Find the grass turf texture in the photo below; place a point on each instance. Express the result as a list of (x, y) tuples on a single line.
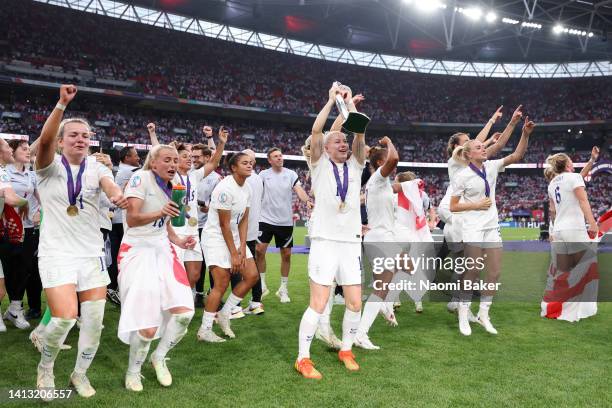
[(423, 362)]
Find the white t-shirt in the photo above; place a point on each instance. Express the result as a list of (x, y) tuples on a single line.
[(568, 216), (228, 195), (144, 186), (205, 189), (327, 220), (256, 185), (454, 167), (24, 185), (194, 177), (61, 234), (277, 208), (471, 188), (124, 173), (379, 203)]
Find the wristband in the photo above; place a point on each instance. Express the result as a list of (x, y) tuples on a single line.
[(60, 106)]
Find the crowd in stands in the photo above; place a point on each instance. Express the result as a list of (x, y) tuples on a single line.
[(166, 62)]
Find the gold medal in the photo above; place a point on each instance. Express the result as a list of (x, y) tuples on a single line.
[(342, 206), (187, 208), (72, 210), (192, 222)]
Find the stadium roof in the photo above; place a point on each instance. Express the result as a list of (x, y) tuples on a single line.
[(513, 38), (456, 32)]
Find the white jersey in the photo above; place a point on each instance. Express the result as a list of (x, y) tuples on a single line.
[(143, 185), (105, 206), (194, 178), (277, 208), (229, 196), (471, 188), (454, 167), (256, 185), (379, 204), (568, 216), (61, 234), (205, 189), (328, 220), (124, 173)]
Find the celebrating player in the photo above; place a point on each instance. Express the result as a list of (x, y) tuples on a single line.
[(224, 243), (71, 250), (335, 229), (156, 299), (474, 196), (570, 239)]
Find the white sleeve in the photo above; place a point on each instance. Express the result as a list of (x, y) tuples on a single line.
[(104, 171), (221, 199), (498, 165), (352, 161), (576, 181), (136, 187), (458, 184), (52, 170), (295, 180)]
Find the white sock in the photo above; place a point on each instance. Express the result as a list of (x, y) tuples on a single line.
[(254, 304), (92, 315), (54, 336), (485, 304), (284, 281), (308, 327), (232, 300), (370, 311), (139, 348), (193, 292), (208, 319), (14, 306), (175, 331), (350, 323), (262, 276)]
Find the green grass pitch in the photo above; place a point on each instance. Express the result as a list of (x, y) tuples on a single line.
[(424, 362)]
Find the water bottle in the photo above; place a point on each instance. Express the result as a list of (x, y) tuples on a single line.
[(179, 196)]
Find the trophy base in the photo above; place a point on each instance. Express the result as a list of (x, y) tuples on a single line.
[(356, 122)]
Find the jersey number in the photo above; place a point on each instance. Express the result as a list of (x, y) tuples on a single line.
[(159, 223), (557, 195)]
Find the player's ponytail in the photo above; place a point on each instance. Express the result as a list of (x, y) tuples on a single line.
[(557, 163), (453, 142)]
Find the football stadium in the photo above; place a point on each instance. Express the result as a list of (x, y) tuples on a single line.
[(321, 203)]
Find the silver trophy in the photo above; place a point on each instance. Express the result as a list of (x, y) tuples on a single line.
[(354, 122)]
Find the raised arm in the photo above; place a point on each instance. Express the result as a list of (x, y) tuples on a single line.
[(392, 157), (316, 144), (505, 136), (359, 146), (48, 136), (594, 156), (152, 134), (208, 134), (521, 148), (214, 161), (482, 135)]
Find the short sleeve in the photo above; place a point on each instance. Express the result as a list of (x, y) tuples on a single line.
[(52, 170), (377, 178), (498, 165), (221, 199), (576, 181), (198, 175), (458, 184), (295, 180), (352, 161), (103, 171), (136, 187), (5, 180), (249, 194)]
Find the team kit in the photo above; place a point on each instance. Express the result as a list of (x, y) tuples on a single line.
[(176, 215)]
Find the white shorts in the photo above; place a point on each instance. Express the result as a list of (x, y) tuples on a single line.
[(85, 273), (571, 241), (219, 255), (486, 238), (190, 255), (453, 233), (329, 260)]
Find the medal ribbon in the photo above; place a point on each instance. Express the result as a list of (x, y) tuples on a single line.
[(341, 187), (73, 192), (483, 175), (165, 186)]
